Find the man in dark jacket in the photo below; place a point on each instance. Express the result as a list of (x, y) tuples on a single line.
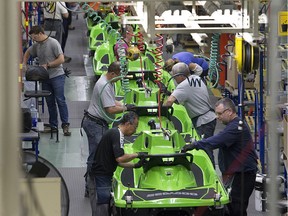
[(239, 156)]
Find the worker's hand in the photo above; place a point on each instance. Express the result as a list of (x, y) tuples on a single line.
[(188, 147), (167, 92), (142, 154), (163, 89), (130, 107), (140, 163)]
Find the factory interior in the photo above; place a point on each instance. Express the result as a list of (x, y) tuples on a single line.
[(245, 43)]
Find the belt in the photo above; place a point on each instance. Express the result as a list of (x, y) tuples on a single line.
[(96, 119), (99, 121), (54, 20)]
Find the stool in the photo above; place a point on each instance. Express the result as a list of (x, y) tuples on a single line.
[(36, 93), (52, 131)]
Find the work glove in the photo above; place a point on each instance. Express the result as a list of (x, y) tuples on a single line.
[(140, 163), (131, 107), (188, 147), (142, 154), (163, 89), (67, 72)]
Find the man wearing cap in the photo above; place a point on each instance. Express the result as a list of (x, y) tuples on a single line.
[(192, 93)]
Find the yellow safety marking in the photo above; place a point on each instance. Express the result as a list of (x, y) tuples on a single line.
[(283, 23), (250, 94), (251, 122)]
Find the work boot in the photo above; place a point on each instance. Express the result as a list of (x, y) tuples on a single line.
[(65, 128)]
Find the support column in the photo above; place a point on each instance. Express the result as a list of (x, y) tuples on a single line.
[(9, 109)]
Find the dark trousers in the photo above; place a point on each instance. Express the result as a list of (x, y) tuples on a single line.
[(65, 33), (66, 23), (100, 194), (207, 130), (241, 189)]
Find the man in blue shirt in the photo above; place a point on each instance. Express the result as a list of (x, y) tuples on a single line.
[(187, 58), (239, 156)]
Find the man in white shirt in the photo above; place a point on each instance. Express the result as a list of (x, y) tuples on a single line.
[(54, 12)]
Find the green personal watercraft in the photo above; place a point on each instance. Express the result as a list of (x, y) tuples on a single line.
[(170, 182)]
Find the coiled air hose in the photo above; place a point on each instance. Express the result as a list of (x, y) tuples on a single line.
[(158, 68), (213, 65)]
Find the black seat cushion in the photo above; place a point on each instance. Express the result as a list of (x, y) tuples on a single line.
[(36, 73)]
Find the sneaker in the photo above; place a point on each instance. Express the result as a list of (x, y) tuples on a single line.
[(67, 59), (66, 131)]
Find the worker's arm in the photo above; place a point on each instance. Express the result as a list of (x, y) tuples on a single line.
[(26, 56), (65, 15), (118, 103), (118, 108), (55, 63), (126, 158), (126, 165), (63, 10), (169, 102)]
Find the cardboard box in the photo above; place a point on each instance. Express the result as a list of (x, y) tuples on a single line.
[(48, 194), (232, 75)]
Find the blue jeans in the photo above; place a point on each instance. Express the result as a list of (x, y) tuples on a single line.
[(94, 133), (56, 87), (100, 194)]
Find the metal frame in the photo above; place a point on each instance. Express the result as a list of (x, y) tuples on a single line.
[(224, 21)]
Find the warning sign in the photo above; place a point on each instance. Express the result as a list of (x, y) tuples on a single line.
[(283, 23)]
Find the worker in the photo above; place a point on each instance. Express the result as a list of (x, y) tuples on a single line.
[(239, 156), (193, 94), (108, 156), (53, 13), (187, 58), (101, 111), (124, 43), (50, 56), (195, 69)]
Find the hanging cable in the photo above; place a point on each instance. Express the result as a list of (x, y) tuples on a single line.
[(142, 49), (158, 68), (213, 66), (140, 41)]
